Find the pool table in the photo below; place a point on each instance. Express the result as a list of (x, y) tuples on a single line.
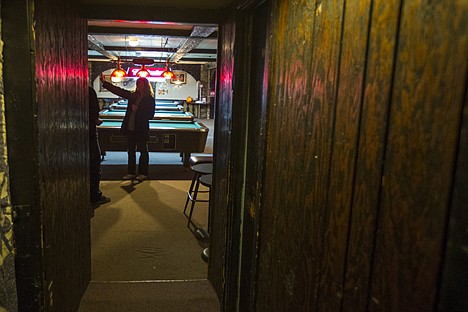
[(165, 136), (168, 107), (159, 115)]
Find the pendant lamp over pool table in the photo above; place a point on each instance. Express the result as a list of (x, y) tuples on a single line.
[(168, 74), (118, 72), (143, 73)]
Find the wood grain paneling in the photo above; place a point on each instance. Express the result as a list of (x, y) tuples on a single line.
[(352, 61), (419, 160), (46, 84), (455, 274), (62, 120), (371, 147), (286, 226), (363, 122)]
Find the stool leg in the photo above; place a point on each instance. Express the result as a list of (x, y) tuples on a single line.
[(194, 200), (189, 193), (209, 208)]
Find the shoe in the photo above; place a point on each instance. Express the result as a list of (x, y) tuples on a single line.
[(141, 177), (128, 176), (103, 200), (100, 201), (94, 205)]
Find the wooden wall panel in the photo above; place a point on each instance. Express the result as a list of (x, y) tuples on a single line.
[(360, 150), (455, 273), (46, 109), (371, 146), (327, 36), (222, 160), (344, 153), (419, 160), (62, 123), (297, 86)]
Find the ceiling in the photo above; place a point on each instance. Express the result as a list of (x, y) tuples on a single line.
[(199, 4), (173, 42), (165, 36)]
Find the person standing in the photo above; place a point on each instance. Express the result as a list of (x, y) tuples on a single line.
[(135, 125), (96, 197)]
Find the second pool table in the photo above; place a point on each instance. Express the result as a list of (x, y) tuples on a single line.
[(168, 107), (159, 115)]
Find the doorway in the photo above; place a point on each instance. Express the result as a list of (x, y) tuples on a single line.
[(142, 233)]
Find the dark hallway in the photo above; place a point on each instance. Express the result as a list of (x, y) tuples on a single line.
[(340, 153)]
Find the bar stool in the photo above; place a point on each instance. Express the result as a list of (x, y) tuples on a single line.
[(199, 170), (195, 160), (204, 180)]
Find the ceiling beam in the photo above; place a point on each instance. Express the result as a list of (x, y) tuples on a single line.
[(138, 31), (164, 50), (151, 13), (198, 34), (186, 60), (96, 45), (164, 32)]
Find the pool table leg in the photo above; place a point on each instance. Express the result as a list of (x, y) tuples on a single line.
[(185, 159)]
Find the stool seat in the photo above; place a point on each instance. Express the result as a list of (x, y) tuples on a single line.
[(202, 168), (201, 159), (205, 180)]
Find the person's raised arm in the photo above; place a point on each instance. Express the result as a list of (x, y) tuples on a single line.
[(114, 89)]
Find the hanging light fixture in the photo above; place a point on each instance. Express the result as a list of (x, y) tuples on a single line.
[(118, 73), (133, 41), (168, 73), (143, 73)]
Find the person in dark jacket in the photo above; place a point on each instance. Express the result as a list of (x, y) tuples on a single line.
[(135, 125), (95, 193)]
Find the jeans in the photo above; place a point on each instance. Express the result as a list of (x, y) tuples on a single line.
[(137, 142)]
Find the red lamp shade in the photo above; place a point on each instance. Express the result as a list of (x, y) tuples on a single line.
[(168, 74), (143, 73), (118, 72)]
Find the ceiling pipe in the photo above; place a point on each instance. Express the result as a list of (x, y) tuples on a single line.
[(95, 45), (197, 36)]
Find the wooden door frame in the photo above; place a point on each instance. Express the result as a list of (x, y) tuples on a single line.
[(248, 135)]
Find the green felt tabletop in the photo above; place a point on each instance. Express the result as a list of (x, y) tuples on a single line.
[(115, 110), (157, 124), (160, 113)]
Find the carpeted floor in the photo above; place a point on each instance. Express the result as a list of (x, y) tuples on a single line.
[(144, 257), (142, 233), (179, 296)]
